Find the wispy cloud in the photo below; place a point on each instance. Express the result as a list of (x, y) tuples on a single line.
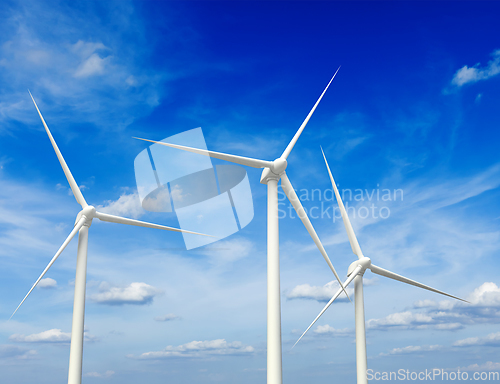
[(473, 74), (493, 339), (135, 293), (228, 251), (15, 352), (424, 228), (446, 315), (92, 63), (323, 293), (50, 336), (328, 330), (168, 317), (412, 349), (488, 366), (67, 70), (403, 319), (98, 375), (199, 349), (352, 127)]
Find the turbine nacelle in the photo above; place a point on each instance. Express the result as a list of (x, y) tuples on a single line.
[(364, 262), (88, 213)]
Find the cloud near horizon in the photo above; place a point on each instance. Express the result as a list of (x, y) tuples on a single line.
[(198, 349), (493, 339), (447, 315), (168, 317), (412, 349), (100, 375), (50, 336), (15, 352)]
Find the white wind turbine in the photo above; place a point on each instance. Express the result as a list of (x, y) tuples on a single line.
[(355, 272), (82, 224), (272, 173)]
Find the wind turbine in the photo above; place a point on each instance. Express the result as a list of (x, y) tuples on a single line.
[(272, 173), (355, 272), (82, 224)]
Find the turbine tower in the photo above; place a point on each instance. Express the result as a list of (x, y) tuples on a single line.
[(355, 272), (272, 173), (82, 224)]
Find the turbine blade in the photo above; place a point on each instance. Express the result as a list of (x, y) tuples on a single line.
[(395, 276), (299, 132), (345, 218), (346, 283), (248, 161), (297, 205), (72, 183), (122, 220), (77, 227)]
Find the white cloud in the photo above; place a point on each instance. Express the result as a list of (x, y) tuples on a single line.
[(483, 306), (447, 315), (412, 349), (228, 251), (100, 375), (322, 294), (488, 366), (168, 317), (493, 339), (50, 336), (177, 193), (86, 49), (488, 294), (127, 205), (200, 349), (15, 352), (448, 326), (402, 320), (326, 329), (473, 74), (47, 283), (94, 65), (135, 293), (89, 80)]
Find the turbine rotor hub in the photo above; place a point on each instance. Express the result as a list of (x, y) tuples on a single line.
[(364, 262), (279, 166), (274, 172), (89, 213)]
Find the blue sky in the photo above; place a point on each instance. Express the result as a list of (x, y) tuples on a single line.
[(414, 107)]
